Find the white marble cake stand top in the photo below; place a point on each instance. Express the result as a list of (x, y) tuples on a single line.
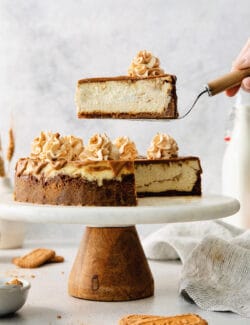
[(149, 211)]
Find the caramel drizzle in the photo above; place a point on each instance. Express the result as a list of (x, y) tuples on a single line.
[(115, 165), (118, 165), (21, 166), (38, 166), (59, 164)]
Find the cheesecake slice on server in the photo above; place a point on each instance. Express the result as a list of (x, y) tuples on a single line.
[(147, 93)]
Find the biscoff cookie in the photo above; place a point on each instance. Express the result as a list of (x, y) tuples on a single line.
[(35, 258), (56, 259), (131, 319), (188, 319), (15, 260)]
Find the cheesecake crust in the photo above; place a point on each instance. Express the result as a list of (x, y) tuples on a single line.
[(66, 190)]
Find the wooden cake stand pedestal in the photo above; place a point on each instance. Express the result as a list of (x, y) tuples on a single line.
[(110, 264)]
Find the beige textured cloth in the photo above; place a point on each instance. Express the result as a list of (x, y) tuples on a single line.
[(216, 262)]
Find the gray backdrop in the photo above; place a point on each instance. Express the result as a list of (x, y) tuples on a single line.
[(46, 46)]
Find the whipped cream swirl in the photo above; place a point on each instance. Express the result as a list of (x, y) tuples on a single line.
[(127, 148), (100, 148), (51, 146), (145, 64), (163, 146)]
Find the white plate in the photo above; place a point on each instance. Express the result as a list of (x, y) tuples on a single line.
[(149, 211)]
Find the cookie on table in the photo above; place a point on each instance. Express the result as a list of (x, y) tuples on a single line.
[(188, 319), (35, 258)]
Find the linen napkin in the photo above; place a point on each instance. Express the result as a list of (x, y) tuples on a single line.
[(216, 262)]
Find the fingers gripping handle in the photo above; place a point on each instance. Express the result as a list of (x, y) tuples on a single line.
[(227, 81)]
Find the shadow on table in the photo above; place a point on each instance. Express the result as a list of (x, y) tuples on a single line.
[(6, 259), (32, 315)]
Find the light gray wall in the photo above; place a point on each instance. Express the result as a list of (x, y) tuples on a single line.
[(46, 46)]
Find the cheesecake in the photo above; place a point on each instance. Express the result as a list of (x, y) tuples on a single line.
[(147, 92), (164, 173), (99, 183), (61, 171), (168, 177)]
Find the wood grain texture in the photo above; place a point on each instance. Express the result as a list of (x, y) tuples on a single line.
[(111, 266), (227, 81)]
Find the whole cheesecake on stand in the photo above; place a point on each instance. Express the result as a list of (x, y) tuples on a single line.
[(61, 171)]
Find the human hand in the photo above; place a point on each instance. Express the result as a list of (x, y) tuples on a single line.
[(242, 62)]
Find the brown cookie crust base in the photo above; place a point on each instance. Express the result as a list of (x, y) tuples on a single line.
[(65, 190)]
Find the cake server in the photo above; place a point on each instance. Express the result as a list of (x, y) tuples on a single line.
[(214, 87)]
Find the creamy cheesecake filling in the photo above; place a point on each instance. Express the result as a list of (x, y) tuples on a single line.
[(171, 176), (149, 95), (97, 171)]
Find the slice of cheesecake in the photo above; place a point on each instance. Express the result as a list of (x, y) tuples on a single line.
[(151, 97), (174, 176)]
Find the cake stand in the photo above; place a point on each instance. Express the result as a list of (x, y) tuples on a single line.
[(110, 264)]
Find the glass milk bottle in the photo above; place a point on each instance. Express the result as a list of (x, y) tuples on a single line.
[(236, 162)]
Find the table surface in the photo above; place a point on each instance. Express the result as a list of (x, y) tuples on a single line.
[(49, 303)]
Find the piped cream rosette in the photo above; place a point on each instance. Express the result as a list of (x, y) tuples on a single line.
[(100, 147), (51, 146), (162, 146), (145, 64)]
